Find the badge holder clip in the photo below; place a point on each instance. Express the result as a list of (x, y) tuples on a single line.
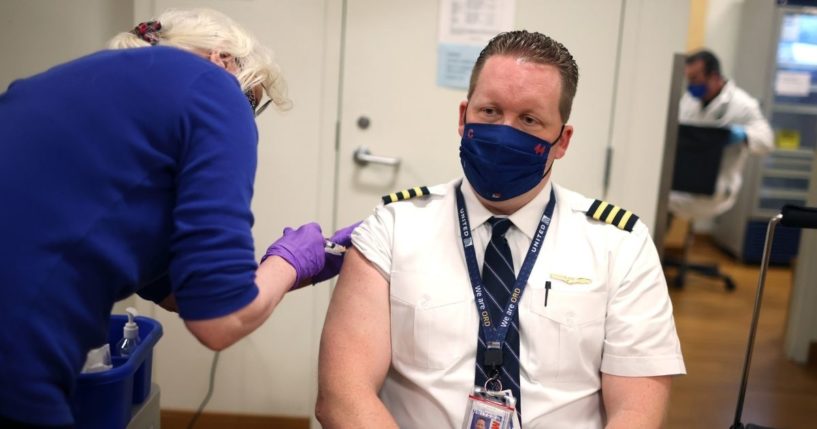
[(491, 409)]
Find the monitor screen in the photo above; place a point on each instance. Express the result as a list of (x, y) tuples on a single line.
[(798, 41)]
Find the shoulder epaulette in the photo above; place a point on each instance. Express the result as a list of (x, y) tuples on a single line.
[(417, 191), (614, 215)]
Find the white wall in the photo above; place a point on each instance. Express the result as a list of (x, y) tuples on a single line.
[(723, 31), (653, 31), (38, 34), (801, 327)]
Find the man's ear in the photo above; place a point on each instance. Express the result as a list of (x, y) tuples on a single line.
[(560, 148), (463, 108)]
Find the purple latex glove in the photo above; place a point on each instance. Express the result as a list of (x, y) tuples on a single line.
[(303, 249), (333, 263)]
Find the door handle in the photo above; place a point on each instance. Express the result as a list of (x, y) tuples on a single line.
[(363, 157)]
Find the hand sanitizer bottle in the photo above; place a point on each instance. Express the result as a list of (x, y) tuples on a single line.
[(130, 335)]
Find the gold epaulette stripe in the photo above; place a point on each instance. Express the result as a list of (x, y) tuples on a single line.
[(613, 215), (417, 191)]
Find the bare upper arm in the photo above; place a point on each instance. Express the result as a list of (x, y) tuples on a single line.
[(635, 402), (355, 347)]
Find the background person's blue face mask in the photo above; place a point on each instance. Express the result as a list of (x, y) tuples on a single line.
[(502, 162), (697, 91)]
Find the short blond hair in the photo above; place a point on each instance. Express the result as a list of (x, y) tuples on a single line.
[(537, 48), (208, 30)]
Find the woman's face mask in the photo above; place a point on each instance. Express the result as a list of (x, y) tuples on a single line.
[(502, 162)]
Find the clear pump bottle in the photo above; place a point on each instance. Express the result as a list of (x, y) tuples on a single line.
[(130, 335)]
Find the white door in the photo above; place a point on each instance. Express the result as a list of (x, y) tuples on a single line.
[(389, 82)]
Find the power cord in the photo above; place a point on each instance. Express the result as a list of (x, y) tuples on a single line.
[(209, 391)]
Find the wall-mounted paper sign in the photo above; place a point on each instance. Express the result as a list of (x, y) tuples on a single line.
[(454, 64), (792, 84), (465, 27)]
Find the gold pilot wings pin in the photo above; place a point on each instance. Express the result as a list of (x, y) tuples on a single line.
[(570, 280), (417, 191), (613, 215)]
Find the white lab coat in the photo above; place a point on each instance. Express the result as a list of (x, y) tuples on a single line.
[(608, 309), (732, 106)]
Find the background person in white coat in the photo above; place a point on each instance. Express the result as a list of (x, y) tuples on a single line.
[(712, 100)]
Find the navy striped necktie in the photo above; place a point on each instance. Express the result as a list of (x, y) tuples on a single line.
[(498, 278)]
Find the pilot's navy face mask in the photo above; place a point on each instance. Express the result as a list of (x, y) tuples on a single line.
[(501, 162)]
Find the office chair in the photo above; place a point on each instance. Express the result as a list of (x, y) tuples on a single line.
[(697, 165), (684, 266)]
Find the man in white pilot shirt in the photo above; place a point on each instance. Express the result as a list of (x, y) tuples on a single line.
[(597, 344)]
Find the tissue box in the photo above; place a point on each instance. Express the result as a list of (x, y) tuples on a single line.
[(104, 400)]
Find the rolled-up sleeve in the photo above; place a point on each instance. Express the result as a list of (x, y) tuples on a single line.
[(374, 239)]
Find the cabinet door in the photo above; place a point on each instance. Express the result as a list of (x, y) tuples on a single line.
[(784, 177)]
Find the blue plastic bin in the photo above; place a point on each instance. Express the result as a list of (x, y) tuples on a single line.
[(104, 400)]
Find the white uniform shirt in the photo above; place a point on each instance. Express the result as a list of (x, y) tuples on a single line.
[(732, 106), (615, 318)]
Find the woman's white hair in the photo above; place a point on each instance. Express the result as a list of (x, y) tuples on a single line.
[(208, 30)]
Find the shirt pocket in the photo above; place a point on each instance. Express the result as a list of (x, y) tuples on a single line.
[(433, 320), (565, 337)]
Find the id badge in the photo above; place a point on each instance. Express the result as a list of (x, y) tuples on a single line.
[(491, 410)]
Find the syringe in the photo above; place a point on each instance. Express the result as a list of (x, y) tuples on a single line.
[(333, 248)]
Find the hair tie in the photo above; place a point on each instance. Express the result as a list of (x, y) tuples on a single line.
[(147, 31)]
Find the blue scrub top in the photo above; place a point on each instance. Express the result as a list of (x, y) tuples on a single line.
[(124, 171)]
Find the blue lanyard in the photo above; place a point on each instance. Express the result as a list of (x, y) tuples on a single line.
[(495, 334)]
